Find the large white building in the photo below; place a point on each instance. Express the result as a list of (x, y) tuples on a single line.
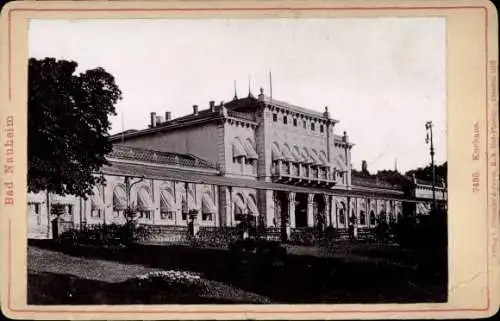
[(282, 165)]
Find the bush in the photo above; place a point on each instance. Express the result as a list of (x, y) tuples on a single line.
[(113, 236)]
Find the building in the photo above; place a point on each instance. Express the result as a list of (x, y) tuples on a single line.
[(281, 165)]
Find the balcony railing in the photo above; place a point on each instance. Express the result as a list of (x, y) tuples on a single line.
[(290, 172), (235, 114)]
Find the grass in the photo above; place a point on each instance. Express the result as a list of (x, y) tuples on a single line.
[(341, 273), (57, 278)]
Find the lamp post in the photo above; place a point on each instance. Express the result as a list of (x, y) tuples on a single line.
[(429, 140)]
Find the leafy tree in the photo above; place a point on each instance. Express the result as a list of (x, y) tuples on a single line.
[(425, 173), (68, 125)]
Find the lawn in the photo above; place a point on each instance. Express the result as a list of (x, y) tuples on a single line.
[(340, 273), (58, 278)]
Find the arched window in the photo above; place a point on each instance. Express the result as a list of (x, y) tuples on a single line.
[(239, 207), (167, 204), (383, 216), (208, 208), (342, 213), (119, 200), (362, 218), (144, 203), (372, 218)]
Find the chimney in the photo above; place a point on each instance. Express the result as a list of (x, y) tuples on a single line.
[(326, 114), (364, 166), (212, 105), (153, 120), (261, 95), (168, 116), (195, 109), (158, 120)]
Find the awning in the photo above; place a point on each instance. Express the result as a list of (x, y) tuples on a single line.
[(315, 157), (239, 206), (339, 164), (322, 158), (96, 200), (58, 199), (119, 199), (36, 197), (252, 207), (167, 202), (306, 157), (250, 151), (207, 204), (238, 149), (276, 153), (296, 154), (144, 202), (288, 155)]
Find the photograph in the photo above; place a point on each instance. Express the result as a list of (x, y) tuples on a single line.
[(229, 160)]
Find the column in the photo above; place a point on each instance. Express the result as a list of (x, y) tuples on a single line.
[(327, 210), (179, 192), (333, 212), (265, 204), (291, 209), (310, 214)]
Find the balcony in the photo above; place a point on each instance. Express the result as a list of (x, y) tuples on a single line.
[(238, 115), (300, 174)]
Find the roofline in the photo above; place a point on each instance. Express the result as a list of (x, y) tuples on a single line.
[(167, 127)]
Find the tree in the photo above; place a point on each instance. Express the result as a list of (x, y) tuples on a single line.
[(68, 125), (425, 173)]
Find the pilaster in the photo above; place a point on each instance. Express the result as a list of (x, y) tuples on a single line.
[(291, 209), (310, 210)]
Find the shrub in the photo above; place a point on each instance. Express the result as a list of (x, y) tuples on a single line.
[(113, 236)]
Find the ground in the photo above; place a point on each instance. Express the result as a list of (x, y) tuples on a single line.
[(344, 272)]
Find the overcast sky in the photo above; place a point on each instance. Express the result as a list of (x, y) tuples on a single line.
[(382, 78)]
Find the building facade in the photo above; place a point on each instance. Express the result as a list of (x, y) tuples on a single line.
[(281, 165)]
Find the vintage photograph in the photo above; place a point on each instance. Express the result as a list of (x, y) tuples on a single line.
[(237, 161)]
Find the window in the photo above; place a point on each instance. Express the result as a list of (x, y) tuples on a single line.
[(295, 122), (304, 124), (275, 117), (206, 216), (70, 210), (96, 213), (145, 214), (117, 213), (285, 120), (34, 208), (341, 217), (321, 128), (372, 218), (312, 126), (362, 218), (164, 215)]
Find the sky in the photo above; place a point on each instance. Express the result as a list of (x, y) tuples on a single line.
[(382, 78)]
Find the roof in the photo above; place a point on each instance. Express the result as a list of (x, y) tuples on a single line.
[(203, 116), (130, 153)]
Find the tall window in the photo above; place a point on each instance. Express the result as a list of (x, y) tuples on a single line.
[(285, 120), (275, 117), (321, 128), (312, 126), (304, 124), (295, 122), (341, 216), (372, 218), (362, 218)]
